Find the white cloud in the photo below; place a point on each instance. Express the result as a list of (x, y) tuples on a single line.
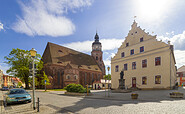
[(47, 17), (85, 46), (180, 57), (177, 40), (1, 26)]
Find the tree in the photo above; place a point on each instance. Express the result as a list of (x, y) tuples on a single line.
[(19, 61), (107, 77)]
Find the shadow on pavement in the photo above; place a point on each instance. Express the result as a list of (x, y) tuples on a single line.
[(119, 99)]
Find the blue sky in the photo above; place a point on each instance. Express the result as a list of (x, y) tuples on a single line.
[(27, 24)]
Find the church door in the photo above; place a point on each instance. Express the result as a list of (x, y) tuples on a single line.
[(134, 82)]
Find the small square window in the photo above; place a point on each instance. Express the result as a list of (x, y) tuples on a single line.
[(131, 33), (142, 49), (157, 61), (136, 32), (141, 39), (133, 65), (132, 52), (127, 44), (122, 54)]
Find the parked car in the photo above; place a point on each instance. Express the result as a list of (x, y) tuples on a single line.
[(17, 95), (5, 89)]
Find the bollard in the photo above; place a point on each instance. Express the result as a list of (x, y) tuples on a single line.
[(38, 105)]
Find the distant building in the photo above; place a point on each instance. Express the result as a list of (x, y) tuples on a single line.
[(147, 63), (181, 75), (7, 81), (102, 84), (1, 78), (64, 66)]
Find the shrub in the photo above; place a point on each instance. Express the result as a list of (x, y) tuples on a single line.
[(75, 88)]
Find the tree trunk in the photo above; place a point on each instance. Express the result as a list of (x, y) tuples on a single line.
[(26, 82)]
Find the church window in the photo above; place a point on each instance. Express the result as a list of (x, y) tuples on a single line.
[(157, 61), (141, 39), (142, 49), (133, 65), (76, 77), (122, 54), (132, 52), (158, 79), (116, 68), (68, 77), (144, 80)]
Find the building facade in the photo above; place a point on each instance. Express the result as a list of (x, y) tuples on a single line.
[(147, 63), (181, 75), (1, 78), (7, 81), (64, 66)]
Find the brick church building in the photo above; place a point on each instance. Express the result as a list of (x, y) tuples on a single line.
[(64, 66)]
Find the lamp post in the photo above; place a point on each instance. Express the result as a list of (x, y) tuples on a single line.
[(108, 68), (33, 54)]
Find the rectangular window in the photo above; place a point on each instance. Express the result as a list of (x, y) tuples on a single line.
[(144, 80), (157, 61), (157, 79), (141, 39), (127, 44), (132, 52), (125, 66), (133, 65), (116, 68), (144, 63), (142, 49), (122, 54)]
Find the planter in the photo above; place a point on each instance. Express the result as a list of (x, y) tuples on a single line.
[(176, 95), (134, 95)]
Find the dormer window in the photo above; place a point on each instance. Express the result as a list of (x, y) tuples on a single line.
[(127, 44), (60, 51), (141, 39)]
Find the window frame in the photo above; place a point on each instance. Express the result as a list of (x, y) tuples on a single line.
[(157, 61), (126, 68), (133, 65), (141, 39), (142, 49), (123, 54), (117, 68), (132, 50), (144, 64), (143, 80), (158, 76)]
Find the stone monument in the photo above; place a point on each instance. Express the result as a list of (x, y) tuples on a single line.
[(121, 80)]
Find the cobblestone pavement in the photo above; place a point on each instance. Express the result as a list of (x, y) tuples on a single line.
[(155, 102)]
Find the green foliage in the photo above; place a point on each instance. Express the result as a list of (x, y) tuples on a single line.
[(19, 61), (107, 77), (19, 84), (75, 88), (43, 78)]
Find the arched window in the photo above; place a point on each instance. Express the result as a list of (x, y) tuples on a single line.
[(96, 57), (68, 77)]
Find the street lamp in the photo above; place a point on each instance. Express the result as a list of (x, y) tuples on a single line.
[(33, 54), (108, 68)]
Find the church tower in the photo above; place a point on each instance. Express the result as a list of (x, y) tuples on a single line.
[(97, 53)]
